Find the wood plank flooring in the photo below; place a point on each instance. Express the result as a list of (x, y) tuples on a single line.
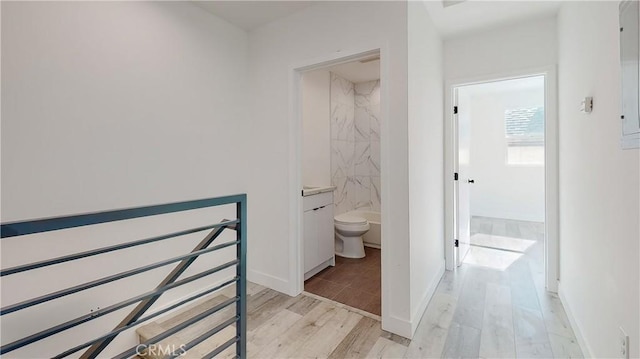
[(494, 306), (354, 282)]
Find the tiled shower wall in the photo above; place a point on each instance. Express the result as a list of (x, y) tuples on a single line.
[(355, 144)]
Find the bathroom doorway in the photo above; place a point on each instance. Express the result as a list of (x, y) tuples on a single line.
[(340, 166)]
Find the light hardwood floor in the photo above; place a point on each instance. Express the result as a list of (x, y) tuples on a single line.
[(493, 306), (280, 326)]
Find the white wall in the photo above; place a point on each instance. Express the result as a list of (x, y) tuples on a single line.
[(426, 201), (316, 129), (599, 192), (319, 33), (501, 190), (110, 105), (528, 44), (99, 116)]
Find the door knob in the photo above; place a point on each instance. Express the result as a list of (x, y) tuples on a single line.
[(471, 181)]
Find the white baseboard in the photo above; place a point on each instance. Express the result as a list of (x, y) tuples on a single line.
[(320, 268), (431, 289), (399, 326), (577, 330), (269, 281)]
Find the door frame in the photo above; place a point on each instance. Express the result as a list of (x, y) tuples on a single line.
[(455, 120), (296, 250), (551, 248)]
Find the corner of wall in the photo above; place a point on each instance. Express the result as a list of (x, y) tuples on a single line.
[(399, 326)]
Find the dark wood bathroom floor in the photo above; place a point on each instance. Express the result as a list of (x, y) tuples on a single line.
[(354, 282)]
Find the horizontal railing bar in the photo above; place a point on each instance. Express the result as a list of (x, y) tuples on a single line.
[(103, 250), (144, 319), (203, 337), (112, 308), (19, 228), (143, 306), (179, 327), (221, 348), (108, 279)]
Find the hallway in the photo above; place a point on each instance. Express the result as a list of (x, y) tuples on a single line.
[(495, 304), (476, 312)]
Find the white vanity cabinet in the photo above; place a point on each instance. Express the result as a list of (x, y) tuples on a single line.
[(318, 241)]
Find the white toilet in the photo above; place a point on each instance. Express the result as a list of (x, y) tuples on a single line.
[(349, 231)]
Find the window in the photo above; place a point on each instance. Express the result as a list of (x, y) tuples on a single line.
[(525, 136)]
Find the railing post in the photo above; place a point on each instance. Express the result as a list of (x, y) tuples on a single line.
[(241, 270)]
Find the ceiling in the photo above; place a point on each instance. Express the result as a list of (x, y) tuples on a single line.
[(249, 15), (505, 86), (451, 17), (456, 17), (357, 71)]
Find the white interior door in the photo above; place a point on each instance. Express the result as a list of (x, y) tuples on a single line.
[(461, 118)]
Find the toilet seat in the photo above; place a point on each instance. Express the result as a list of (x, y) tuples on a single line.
[(349, 219)]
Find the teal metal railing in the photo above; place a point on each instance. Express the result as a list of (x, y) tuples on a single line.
[(94, 347)]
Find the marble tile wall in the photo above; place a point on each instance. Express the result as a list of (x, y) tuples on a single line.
[(355, 144), (367, 144)]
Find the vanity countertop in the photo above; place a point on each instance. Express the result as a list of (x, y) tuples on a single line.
[(311, 190)]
